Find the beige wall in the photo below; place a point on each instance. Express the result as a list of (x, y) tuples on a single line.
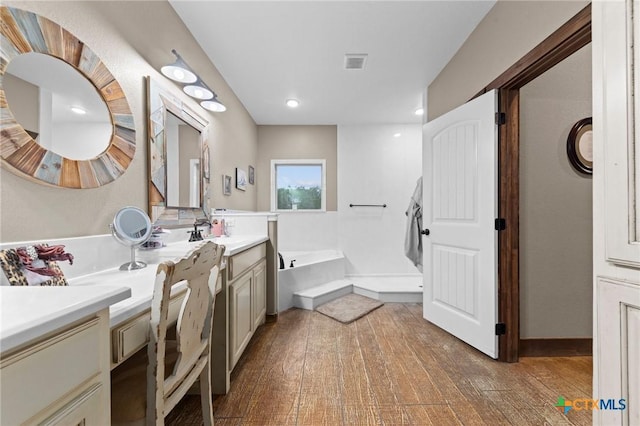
[(133, 39), (508, 32), (296, 142), (555, 205)]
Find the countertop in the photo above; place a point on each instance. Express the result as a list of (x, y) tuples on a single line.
[(236, 244), (141, 281), (29, 312)]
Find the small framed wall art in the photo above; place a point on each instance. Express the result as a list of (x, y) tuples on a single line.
[(252, 175), (226, 185), (580, 146), (241, 179)]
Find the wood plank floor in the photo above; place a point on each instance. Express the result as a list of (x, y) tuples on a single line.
[(389, 368)]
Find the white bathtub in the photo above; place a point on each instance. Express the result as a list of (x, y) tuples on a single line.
[(311, 268)]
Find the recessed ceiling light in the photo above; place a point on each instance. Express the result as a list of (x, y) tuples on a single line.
[(293, 103), (78, 110), (420, 111), (397, 135)]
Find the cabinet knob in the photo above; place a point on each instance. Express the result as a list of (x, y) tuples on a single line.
[(425, 232)]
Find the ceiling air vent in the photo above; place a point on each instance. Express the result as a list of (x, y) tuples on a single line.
[(353, 61)]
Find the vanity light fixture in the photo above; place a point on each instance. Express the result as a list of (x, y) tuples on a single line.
[(213, 105), (198, 90), (179, 71), (293, 103), (419, 111), (78, 110), (193, 85)]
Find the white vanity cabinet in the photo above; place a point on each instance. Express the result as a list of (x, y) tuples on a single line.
[(60, 379), (54, 360), (259, 307), (241, 321), (246, 280)]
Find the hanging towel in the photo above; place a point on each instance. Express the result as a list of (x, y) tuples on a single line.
[(413, 238)]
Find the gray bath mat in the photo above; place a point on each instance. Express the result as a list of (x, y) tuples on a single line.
[(349, 308)]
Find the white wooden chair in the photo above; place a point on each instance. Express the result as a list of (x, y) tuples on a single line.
[(149, 385)]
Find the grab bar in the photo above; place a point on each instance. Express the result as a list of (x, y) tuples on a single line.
[(368, 205)]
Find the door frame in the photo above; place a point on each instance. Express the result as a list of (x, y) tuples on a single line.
[(565, 41)]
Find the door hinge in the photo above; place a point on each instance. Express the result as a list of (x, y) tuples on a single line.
[(501, 118), (501, 328), (500, 224)]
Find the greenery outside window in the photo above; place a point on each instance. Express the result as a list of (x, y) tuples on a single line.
[(298, 185)]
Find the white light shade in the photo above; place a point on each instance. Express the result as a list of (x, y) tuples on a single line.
[(197, 91), (178, 73), (397, 135), (213, 105), (78, 110), (293, 103), (420, 111)]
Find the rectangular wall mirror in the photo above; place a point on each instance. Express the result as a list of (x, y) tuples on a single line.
[(178, 147), (183, 163)]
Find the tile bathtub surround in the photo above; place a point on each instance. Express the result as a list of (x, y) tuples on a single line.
[(308, 231)]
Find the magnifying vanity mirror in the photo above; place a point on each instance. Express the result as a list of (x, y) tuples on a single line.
[(177, 145), (131, 227), (65, 119)]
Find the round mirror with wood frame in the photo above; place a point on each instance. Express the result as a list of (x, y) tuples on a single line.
[(28, 32)]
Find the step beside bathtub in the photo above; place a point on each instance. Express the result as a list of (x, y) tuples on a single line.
[(311, 268)]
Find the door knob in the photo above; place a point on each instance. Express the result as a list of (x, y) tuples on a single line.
[(425, 232)]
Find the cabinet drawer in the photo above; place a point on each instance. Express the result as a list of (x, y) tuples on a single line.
[(241, 262), (88, 408), (43, 373), (130, 337)]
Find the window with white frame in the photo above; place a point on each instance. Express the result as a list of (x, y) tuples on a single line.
[(298, 185)]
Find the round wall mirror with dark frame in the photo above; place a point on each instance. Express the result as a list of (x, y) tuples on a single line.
[(26, 32), (580, 146)]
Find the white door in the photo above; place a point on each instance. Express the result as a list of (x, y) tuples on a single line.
[(616, 211), (459, 212)]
